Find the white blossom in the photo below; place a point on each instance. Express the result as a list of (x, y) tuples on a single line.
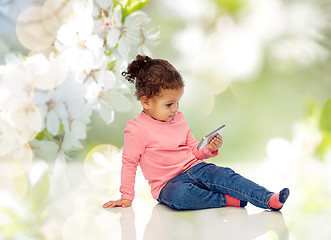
[(9, 139), (150, 37), (15, 79), (81, 49), (108, 95), (46, 100), (46, 149), (126, 34), (46, 73), (66, 106), (103, 20), (104, 4)]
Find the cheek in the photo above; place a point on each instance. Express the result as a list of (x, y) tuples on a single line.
[(164, 111)]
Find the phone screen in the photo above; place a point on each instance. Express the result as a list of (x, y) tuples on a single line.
[(206, 139)]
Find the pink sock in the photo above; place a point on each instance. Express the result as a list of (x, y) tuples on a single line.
[(234, 202), (277, 200)]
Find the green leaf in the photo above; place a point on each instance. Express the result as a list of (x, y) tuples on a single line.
[(325, 122), (61, 127), (111, 65), (16, 223), (315, 203), (313, 109), (325, 127), (231, 5), (39, 192), (325, 144), (131, 6), (108, 52), (43, 134)]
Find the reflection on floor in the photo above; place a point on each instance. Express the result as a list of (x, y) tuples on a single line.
[(223, 223)]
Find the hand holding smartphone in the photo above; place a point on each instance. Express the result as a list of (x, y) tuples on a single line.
[(206, 139)]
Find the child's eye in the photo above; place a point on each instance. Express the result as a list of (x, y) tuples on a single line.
[(169, 104)]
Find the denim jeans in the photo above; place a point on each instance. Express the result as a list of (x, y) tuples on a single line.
[(204, 185)]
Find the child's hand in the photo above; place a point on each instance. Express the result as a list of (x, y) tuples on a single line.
[(119, 203), (215, 143)]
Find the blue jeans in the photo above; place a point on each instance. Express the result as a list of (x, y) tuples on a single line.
[(204, 186)]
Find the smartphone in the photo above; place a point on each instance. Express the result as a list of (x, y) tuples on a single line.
[(206, 139)]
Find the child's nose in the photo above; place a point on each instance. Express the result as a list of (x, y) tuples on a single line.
[(175, 108)]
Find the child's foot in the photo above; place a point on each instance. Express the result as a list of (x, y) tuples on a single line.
[(234, 202), (277, 200)]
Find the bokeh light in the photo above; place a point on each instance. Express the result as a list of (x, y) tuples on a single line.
[(84, 225), (31, 30), (102, 166), (27, 119), (61, 9), (16, 186), (16, 162)]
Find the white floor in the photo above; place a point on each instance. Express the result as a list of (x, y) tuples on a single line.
[(73, 210), (149, 220), (223, 223)]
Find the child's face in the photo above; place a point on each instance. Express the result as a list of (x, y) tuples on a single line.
[(165, 106)]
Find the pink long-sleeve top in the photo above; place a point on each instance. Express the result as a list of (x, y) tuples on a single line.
[(162, 149)]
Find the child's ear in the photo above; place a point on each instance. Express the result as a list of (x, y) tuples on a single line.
[(144, 102)]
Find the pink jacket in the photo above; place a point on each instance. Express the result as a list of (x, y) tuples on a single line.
[(162, 149)]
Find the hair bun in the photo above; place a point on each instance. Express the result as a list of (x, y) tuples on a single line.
[(142, 59), (134, 68)]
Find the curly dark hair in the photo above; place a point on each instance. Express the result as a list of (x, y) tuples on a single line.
[(151, 76)]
